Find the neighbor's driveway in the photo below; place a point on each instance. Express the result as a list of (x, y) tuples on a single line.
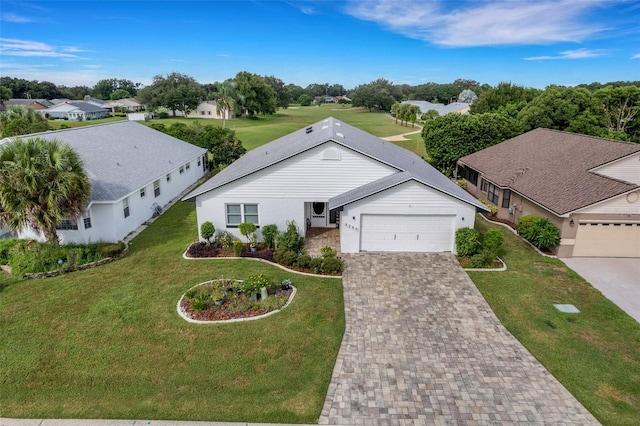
[(617, 278), (422, 346)]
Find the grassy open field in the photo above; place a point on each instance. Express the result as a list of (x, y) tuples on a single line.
[(595, 354), (59, 124), (108, 342)]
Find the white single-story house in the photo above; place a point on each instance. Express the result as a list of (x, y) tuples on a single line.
[(133, 170), (75, 111), (331, 174), (125, 104), (209, 109), (441, 109)]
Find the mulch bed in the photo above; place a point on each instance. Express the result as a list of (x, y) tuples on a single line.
[(226, 311)]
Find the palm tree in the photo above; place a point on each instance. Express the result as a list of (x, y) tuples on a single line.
[(227, 99), (21, 120), (41, 183)]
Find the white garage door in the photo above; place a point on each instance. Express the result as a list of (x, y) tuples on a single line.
[(607, 239), (404, 233)]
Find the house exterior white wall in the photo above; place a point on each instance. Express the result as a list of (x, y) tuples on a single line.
[(282, 189), (628, 204), (107, 218), (626, 169), (409, 198)]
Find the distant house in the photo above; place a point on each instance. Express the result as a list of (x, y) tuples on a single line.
[(126, 104), (209, 109), (133, 170), (37, 104), (324, 99), (382, 197), (441, 109), (75, 111), (588, 187)]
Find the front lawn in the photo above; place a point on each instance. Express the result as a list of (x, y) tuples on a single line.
[(595, 354), (108, 342)]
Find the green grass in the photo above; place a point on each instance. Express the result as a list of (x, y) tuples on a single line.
[(57, 124), (254, 132), (595, 354), (108, 343)]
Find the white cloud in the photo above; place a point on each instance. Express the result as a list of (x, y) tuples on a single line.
[(50, 72), (483, 23), (15, 47), (636, 56), (570, 54), (14, 19), (307, 9)]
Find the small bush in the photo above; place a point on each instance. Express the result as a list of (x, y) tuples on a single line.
[(492, 242), (291, 239), (303, 261), (224, 239), (269, 235), (111, 249), (477, 260), (538, 231), (462, 183), (247, 229), (467, 242), (5, 248), (207, 231), (238, 248), (201, 302), (163, 114), (332, 265), (327, 251), (254, 283), (316, 265), (285, 257)]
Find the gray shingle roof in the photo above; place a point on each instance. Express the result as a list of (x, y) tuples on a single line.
[(552, 167), (122, 157), (350, 137), (87, 107)]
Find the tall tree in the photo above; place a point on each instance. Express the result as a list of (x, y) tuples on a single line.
[(453, 136), (177, 92), (502, 95), (119, 94), (620, 106), (259, 96), (104, 88), (41, 183), (557, 107), (228, 99), (282, 94), (375, 95), (21, 120)]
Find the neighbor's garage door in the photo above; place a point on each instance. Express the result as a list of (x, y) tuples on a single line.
[(607, 239), (404, 233)]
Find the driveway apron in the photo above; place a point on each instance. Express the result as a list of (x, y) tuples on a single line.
[(422, 346)]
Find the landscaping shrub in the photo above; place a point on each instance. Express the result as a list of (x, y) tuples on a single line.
[(201, 302), (5, 247), (303, 261), (269, 235), (201, 250), (224, 239), (163, 114), (538, 231), (467, 242), (492, 242), (247, 229), (255, 282), (285, 257), (111, 249), (238, 248), (207, 231), (291, 239), (316, 265), (462, 183), (327, 251), (332, 265)]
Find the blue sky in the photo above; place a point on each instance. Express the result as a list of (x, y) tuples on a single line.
[(528, 42)]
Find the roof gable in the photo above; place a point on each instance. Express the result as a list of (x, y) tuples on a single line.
[(343, 134), (123, 156), (552, 168)]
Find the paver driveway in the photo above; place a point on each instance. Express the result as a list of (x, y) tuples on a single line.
[(422, 346)]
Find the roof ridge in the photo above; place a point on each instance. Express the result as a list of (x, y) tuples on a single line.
[(583, 135)]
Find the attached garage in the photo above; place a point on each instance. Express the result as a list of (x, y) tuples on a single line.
[(407, 233), (607, 239)]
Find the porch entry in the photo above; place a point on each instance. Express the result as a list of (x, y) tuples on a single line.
[(319, 216)]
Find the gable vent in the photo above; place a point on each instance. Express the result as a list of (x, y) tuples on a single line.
[(308, 130)]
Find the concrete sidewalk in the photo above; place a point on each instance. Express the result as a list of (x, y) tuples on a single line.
[(96, 422)]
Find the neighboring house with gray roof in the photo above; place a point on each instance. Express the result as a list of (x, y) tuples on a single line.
[(133, 169), (75, 111), (331, 174), (37, 104), (441, 109), (588, 187)]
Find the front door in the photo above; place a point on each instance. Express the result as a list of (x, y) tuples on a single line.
[(319, 214)]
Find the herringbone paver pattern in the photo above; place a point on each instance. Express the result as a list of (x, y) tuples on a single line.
[(422, 346)]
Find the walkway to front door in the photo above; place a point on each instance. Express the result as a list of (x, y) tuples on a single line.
[(422, 346)]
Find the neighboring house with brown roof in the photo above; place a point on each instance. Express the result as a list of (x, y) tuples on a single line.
[(37, 104), (589, 187)]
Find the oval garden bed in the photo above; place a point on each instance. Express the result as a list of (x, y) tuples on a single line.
[(230, 299)]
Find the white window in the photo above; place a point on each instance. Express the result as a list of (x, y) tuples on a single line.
[(67, 225), (156, 188), (238, 213), (125, 207), (143, 192), (87, 220)]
